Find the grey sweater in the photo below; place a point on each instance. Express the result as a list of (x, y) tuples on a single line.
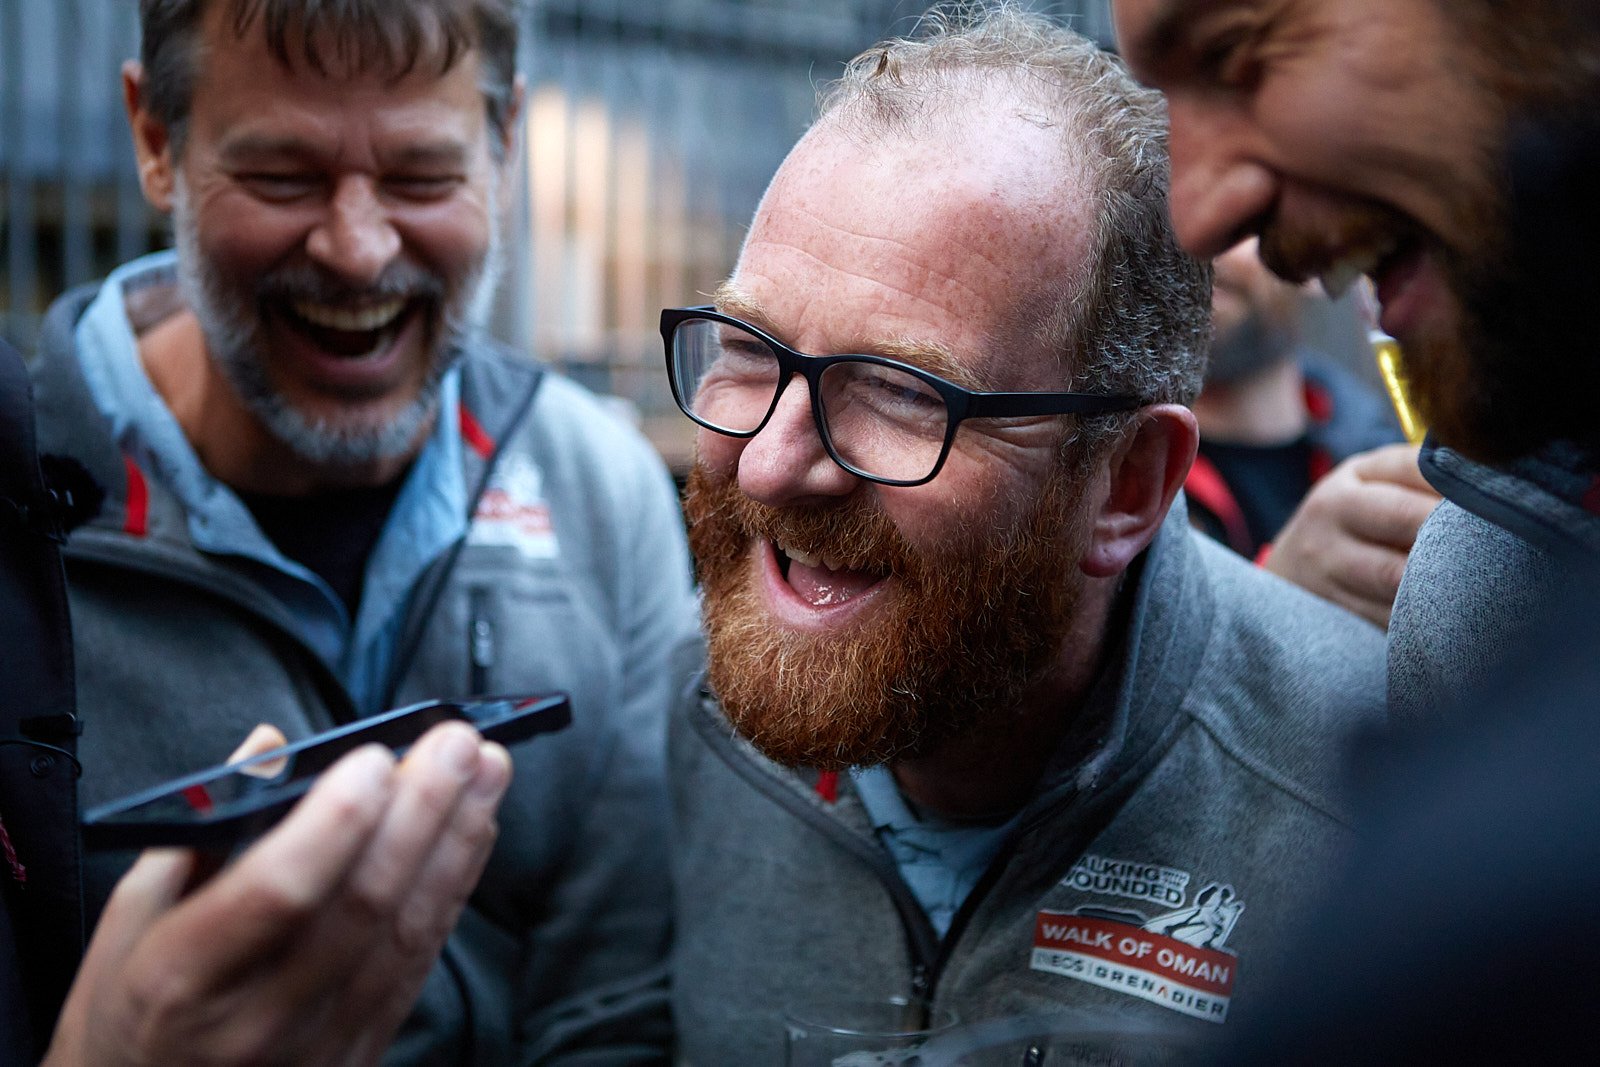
[(1200, 830), (560, 954), (1485, 570)]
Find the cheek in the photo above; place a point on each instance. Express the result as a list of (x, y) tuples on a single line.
[(449, 236), (240, 235), (966, 507), (718, 453)]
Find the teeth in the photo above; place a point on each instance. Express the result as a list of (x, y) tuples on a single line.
[(805, 559), (1338, 278), (832, 564), (349, 320)]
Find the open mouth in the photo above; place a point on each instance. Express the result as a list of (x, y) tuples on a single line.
[(823, 582), (350, 332)]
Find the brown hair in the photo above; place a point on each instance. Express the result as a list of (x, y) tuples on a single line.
[(388, 36)]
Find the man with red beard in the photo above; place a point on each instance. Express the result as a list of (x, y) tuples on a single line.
[(983, 713), (1442, 149), (329, 493)]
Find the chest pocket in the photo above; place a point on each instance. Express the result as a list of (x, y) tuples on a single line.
[(509, 624)]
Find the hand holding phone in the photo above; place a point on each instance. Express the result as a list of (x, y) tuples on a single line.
[(223, 805), (310, 946)]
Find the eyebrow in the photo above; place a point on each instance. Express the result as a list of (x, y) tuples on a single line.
[(932, 356), (1166, 34), (252, 147)]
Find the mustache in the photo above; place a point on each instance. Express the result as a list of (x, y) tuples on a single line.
[(852, 532), (306, 281), (1299, 253)]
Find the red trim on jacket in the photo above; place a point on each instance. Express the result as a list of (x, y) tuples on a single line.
[(828, 786), (137, 519), (473, 434), (1205, 484)]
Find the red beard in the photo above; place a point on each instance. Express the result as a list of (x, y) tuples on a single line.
[(952, 647)]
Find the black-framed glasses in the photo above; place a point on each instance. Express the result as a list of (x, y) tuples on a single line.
[(880, 419)]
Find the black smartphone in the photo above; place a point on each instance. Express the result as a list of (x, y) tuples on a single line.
[(225, 805)]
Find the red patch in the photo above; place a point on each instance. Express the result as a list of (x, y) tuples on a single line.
[(1206, 485), (1319, 405), (1129, 959), (1321, 463), (137, 519), (473, 434), (199, 799), (828, 786)]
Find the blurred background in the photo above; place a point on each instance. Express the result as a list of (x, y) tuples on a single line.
[(651, 131)]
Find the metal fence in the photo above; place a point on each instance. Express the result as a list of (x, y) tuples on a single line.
[(651, 131)]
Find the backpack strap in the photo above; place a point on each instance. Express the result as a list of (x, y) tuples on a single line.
[(38, 714)]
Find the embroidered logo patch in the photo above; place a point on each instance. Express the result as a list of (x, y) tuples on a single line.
[(513, 512), (1175, 958)]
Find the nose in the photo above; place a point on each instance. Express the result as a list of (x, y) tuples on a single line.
[(357, 239), (1221, 192), (786, 463)]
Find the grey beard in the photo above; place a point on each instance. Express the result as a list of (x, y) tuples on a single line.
[(1252, 347), (231, 334)]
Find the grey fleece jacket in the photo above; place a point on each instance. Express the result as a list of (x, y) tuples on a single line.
[(559, 955), (1153, 883), (1486, 567)]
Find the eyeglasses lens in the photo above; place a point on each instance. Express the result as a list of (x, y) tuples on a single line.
[(726, 377), (884, 422)]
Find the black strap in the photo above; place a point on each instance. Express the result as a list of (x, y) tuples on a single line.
[(38, 779), (426, 597)]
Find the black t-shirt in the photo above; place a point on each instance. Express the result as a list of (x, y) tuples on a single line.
[(1268, 483), (330, 533)]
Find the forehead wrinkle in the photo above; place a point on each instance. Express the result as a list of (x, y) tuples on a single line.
[(870, 276)]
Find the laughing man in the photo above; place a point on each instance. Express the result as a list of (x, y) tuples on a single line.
[(985, 723), (331, 494)]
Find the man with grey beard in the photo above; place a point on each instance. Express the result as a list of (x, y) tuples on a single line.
[(986, 725), (329, 494)]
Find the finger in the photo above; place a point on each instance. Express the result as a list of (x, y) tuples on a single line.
[(429, 786), (1393, 463), (264, 738), (358, 922), (453, 867), (150, 888), (422, 864), (388, 987), (1383, 513), (274, 890), (1367, 582)]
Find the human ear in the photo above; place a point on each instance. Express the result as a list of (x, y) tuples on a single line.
[(1141, 475), (152, 140)]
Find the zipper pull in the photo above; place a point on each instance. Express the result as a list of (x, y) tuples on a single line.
[(919, 981), (480, 642)]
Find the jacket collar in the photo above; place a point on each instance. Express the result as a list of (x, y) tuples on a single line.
[(1551, 498)]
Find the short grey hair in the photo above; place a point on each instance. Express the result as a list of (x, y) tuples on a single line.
[(1138, 320)]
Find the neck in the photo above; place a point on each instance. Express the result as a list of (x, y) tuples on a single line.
[(231, 442), (994, 774), (1268, 408)]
